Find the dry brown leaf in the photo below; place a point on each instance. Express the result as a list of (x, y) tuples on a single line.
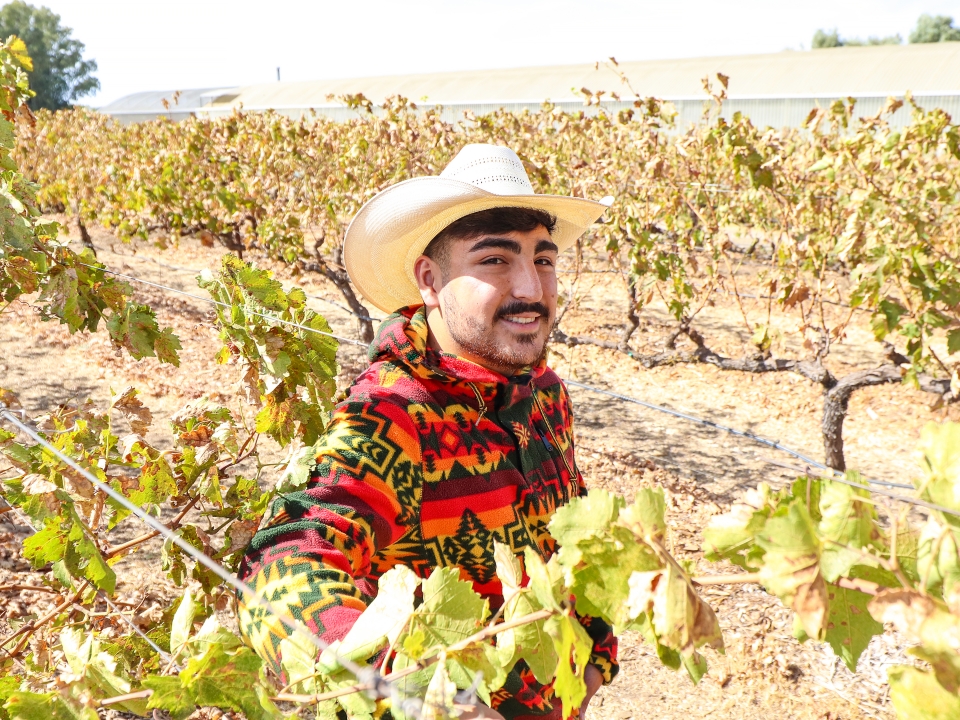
[(138, 415)]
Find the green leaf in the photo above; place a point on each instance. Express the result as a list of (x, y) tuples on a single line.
[(83, 559), (296, 473), (848, 518), (529, 642), (916, 695), (940, 445), (646, 515), (96, 668), (585, 517), (167, 346), (546, 579), (8, 686), (573, 647), (298, 659), (451, 609), (938, 561), (182, 624), (849, 624), (47, 545), (30, 706), (168, 695), (681, 620), (227, 680), (732, 535), (953, 341), (791, 569), (886, 319)]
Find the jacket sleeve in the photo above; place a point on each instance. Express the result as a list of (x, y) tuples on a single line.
[(604, 654), (313, 555)]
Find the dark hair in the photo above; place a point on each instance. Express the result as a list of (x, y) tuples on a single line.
[(488, 222)]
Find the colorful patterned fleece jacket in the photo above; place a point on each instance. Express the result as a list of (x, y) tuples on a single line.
[(428, 461)]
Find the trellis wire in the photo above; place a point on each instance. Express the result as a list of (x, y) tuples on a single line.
[(369, 676), (875, 491), (733, 431), (164, 655)]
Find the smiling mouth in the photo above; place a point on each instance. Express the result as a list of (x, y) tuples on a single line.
[(521, 320)]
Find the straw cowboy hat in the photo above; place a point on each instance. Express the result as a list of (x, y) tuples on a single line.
[(394, 227)]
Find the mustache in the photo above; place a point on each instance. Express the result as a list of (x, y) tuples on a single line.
[(516, 307)]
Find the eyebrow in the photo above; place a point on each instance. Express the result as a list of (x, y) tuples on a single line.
[(512, 245), (499, 243)]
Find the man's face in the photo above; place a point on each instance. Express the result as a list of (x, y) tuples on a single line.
[(494, 301)]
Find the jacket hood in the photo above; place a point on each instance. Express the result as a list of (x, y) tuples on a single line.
[(402, 337)]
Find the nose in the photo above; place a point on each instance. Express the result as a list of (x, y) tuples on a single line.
[(526, 282)]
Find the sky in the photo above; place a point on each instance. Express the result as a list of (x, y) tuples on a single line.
[(180, 44)]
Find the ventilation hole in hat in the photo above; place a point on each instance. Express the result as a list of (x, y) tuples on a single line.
[(500, 178), (484, 161)]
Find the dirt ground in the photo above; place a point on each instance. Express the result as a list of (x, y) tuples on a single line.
[(621, 447)]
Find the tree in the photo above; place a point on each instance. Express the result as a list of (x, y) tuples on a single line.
[(824, 39), (60, 74), (830, 39), (935, 28)]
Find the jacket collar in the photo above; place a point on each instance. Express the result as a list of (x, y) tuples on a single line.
[(403, 336)]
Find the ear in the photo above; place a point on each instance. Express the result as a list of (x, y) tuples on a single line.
[(427, 274)]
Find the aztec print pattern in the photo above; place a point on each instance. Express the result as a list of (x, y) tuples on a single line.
[(428, 460)]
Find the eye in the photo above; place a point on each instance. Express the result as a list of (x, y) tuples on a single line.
[(545, 261), (493, 261)]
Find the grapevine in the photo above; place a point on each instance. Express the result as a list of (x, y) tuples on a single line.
[(840, 222)]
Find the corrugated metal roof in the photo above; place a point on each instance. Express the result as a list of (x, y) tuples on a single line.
[(151, 102), (924, 69)]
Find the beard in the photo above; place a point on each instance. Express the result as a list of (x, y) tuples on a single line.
[(478, 338)]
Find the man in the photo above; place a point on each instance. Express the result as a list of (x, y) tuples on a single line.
[(458, 434)]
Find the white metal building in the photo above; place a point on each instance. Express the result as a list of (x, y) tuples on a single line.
[(776, 89)]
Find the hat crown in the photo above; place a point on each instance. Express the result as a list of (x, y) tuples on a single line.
[(493, 168)]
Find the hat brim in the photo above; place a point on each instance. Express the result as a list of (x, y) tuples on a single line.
[(394, 227)]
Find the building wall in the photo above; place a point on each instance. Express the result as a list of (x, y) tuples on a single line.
[(764, 112)]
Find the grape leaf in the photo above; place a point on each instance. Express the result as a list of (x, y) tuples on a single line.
[(508, 568), (46, 545), (451, 609), (848, 521), (131, 408), (732, 535), (51, 706), (573, 647), (791, 569), (83, 559), (182, 624), (529, 642), (850, 626), (438, 698), (227, 680), (546, 579), (916, 695), (8, 686), (168, 695), (96, 668), (645, 516), (927, 620), (940, 445), (585, 517), (383, 620), (680, 618)]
